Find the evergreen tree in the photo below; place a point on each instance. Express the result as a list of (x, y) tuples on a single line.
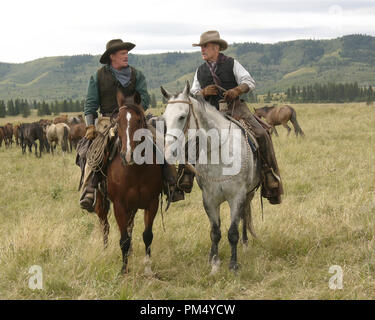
[(17, 107), (153, 101), (10, 108), (2, 109), (268, 98), (25, 109)]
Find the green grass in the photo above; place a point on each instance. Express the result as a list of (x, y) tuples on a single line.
[(326, 219)]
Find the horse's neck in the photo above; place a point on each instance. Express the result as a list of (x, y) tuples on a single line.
[(209, 118)]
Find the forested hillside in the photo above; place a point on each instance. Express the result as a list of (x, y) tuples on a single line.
[(275, 67)]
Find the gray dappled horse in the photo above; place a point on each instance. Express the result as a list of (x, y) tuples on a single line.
[(185, 112)]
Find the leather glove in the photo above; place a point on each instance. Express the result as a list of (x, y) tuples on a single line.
[(232, 94), (210, 90), (90, 132)]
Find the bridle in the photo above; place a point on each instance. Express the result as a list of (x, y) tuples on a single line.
[(136, 109), (187, 122)]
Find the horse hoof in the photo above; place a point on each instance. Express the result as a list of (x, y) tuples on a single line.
[(215, 263), (124, 271), (233, 266), (245, 246)]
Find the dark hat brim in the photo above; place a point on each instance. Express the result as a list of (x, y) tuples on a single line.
[(104, 59)]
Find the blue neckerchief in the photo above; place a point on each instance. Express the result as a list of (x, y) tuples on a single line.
[(123, 75)]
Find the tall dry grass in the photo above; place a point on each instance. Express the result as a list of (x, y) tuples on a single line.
[(326, 219)]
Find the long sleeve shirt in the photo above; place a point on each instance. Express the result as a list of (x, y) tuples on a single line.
[(240, 73), (92, 102)]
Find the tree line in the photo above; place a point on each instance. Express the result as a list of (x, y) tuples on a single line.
[(23, 107), (330, 92)]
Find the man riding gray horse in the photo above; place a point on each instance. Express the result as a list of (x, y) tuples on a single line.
[(221, 72), (116, 74)]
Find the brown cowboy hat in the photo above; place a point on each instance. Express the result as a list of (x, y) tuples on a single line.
[(113, 46), (212, 36)]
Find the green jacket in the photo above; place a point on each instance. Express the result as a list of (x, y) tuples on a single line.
[(92, 102)]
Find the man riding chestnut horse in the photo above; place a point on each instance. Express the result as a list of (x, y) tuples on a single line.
[(116, 74), (218, 74)]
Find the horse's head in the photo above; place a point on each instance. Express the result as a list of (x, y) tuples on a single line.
[(260, 112), (130, 118), (178, 116)]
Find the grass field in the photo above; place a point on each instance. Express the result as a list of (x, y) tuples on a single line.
[(326, 219)]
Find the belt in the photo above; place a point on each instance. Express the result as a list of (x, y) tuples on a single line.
[(109, 114)]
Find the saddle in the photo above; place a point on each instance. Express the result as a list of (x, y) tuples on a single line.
[(246, 129)]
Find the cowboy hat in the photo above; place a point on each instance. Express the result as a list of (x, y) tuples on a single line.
[(211, 36), (113, 46)]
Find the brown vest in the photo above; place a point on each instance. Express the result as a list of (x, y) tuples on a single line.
[(107, 87)]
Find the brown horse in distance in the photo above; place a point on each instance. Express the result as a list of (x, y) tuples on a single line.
[(2, 135), (15, 133), (130, 186), (76, 133), (61, 119), (280, 116), (6, 134)]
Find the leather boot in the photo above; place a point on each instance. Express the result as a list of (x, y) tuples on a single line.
[(271, 186), (169, 180), (87, 200), (185, 181)]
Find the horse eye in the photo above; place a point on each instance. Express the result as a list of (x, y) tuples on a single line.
[(181, 118)]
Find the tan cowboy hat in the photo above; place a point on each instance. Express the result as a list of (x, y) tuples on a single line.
[(212, 36), (113, 46)]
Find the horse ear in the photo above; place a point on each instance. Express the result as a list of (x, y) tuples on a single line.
[(120, 98), (165, 93), (137, 98), (186, 91)]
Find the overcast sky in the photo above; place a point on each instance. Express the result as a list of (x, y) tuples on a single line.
[(43, 28)]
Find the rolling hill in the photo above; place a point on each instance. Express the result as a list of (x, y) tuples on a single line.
[(275, 67)]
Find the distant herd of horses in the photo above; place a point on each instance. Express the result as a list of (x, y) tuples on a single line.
[(63, 131), (67, 131)]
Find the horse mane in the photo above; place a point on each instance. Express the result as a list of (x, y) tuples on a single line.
[(202, 101), (267, 108)]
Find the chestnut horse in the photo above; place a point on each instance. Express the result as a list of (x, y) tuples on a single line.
[(130, 186), (280, 115)]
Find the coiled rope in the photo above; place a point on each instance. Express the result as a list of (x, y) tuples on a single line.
[(95, 153)]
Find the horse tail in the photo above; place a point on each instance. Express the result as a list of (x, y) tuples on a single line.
[(248, 220), (294, 121), (65, 139)]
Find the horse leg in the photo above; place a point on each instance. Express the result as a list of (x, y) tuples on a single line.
[(102, 208), (124, 220), (35, 148), (237, 210), (274, 129), (40, 148), (149, 217), (213, 213), (285, 125)]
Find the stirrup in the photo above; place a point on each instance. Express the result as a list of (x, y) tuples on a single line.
[(186, 187), (175, 194)]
